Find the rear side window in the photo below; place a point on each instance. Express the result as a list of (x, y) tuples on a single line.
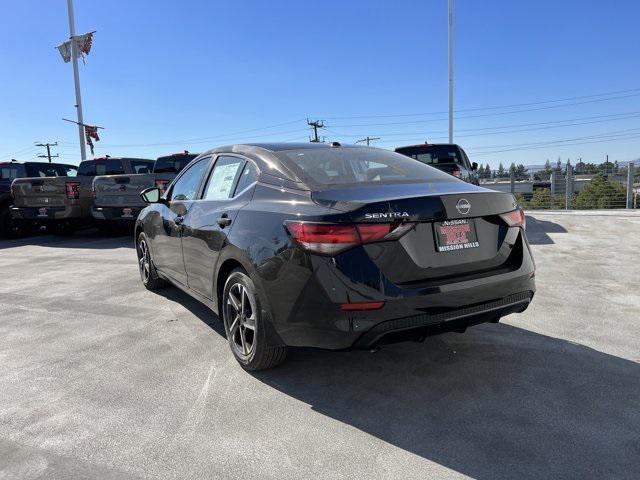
[(172, 164), (141, 166), (9, 172), (223, 177), (247, 177), (186, 187), (329, 167)]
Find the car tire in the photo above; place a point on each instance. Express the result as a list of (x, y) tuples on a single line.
[(148, 273), (63, 229), (245, 325), (10, 227)]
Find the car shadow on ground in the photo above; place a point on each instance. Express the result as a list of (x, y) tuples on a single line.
[(538, 230), (496, 402), (89, 238)]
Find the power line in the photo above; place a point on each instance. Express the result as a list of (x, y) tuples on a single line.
[(367, 139), (494, 107), (486, 114), (48, 155), (316, 124)]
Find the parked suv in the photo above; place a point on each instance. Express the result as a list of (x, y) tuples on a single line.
[(9, 171), (63, 203), (448, 157), (117, 197)]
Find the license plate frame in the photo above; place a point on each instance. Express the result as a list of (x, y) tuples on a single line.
[(455, 235), (127, 213), (43, 212)]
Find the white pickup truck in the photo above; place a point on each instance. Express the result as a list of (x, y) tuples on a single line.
[(116, 198)]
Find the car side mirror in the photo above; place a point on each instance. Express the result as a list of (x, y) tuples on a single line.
[(474, 166), (151, 195)]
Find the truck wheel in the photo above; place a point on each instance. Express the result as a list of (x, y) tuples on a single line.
[(63, 229), (148, 273), (245, 326), (9, 226)]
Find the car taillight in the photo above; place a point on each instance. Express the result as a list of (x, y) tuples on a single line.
[(349, 307), (456, 172), (162, 184), (515, 218), (73, 191), (328, 238)]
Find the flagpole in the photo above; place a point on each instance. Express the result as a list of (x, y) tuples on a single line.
[(450, 71), (76, 78)]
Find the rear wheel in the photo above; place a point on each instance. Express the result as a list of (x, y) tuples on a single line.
[(148, 273), (245, 326), (9, 226)]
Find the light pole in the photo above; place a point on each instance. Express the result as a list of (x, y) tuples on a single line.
[(450, 71), (76, 78)]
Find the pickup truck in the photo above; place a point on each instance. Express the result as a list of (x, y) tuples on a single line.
[(448, 157), (117, 197), (63, 203), (9, 171)]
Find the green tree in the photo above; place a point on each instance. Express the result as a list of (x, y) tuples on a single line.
[(500, 170), (542, 199), (601, 193)]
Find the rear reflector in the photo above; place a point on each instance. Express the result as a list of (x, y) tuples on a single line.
[(72, 189), (515, 218), (331, 238), (349, 307)]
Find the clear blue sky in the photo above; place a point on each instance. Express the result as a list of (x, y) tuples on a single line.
[(170, 71)]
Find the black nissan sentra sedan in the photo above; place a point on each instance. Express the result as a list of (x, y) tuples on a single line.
[(333, 246)]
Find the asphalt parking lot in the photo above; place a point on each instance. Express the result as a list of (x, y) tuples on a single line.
[(103, 379)]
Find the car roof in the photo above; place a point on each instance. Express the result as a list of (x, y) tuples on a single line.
[(17, 162), (429, 145)]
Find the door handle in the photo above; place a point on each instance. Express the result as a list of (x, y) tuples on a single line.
[(178, 220), (224, 221)]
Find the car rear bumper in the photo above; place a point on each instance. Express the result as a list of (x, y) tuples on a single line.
[(122, 214), (47, 214), (316, 319)]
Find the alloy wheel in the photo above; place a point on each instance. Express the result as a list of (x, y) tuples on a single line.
[(144, 261), (241, 320)]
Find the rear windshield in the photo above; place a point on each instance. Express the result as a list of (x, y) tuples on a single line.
[(172, 163), (141, 166), (346, 166), (50, 170), (434, 154), (101, 167)]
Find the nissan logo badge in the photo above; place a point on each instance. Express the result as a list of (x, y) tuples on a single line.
[(463, 206)]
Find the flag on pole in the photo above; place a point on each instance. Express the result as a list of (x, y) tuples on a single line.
[(91, 133), (83, 46), (65, 51)]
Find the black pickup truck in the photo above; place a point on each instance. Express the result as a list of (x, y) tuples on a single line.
[(448, 157), (65, 204), (10, 171)]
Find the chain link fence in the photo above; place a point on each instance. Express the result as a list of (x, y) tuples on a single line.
[(564, 190)]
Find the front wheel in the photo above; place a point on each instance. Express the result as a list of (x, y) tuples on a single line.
[(245, 327), (9, 226)]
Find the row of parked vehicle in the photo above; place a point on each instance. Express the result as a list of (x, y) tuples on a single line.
[(106, 191), (102, 191)]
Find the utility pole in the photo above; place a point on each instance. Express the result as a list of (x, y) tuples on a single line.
[(76, 78), (367, 139), (48, 155), (316, 124), (450, 71)]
